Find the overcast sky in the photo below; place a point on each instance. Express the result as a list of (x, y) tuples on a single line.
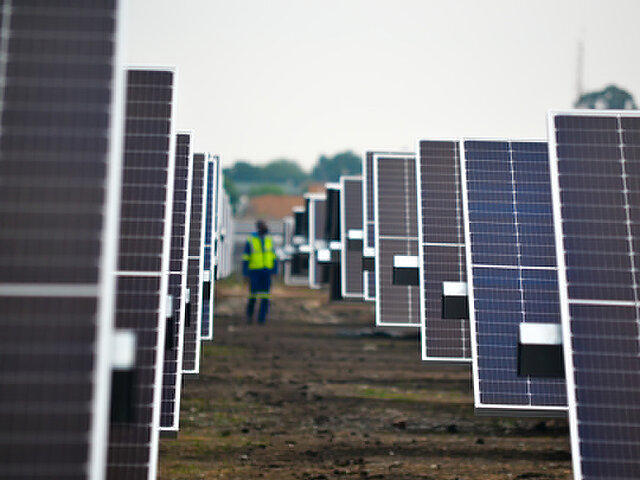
[(262, 79)]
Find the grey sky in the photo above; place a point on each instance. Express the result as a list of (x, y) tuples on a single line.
[(262, 79)]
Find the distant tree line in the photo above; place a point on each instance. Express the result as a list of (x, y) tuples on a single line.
[(275, 175)]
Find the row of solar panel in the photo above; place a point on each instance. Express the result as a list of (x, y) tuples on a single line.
[(106, 282), (517, 256)]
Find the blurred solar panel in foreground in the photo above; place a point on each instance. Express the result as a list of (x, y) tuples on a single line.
[(60, 147)]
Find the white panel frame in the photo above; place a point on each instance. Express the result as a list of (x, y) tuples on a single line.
[(106, 308)]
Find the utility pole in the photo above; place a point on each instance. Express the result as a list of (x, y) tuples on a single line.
[(579, 70)]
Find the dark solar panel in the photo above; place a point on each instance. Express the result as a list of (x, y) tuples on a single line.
[(351, 233), (396, 240), (333, 241), (512, 269), (172, 372), (192, 329), (299, 270), (368, 222), (142, 277), (368, 226), (60, 146), (444, 337), (595, 171), (209, 245)]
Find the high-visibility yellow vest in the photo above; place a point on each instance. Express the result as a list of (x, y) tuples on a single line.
[(259, 258)]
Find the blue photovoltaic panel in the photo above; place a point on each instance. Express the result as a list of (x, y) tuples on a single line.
[(208, 280), (511, 269), (396, 235), (442, 250), (595, 167)]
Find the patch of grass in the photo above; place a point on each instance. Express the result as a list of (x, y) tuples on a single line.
[(215, 350), (395, 394)]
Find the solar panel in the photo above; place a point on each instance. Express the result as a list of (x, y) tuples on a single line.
[(191, 348), (596, 190), (368, 227), (208, 279), (174, 332), (60, 157), (296, 271), (512, 273), (226, 237), (333, 241), (143, 264), (317, 210), (351, 234), (444, 331), (396, 240)]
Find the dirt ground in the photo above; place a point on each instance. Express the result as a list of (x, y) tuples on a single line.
[(318, 394)]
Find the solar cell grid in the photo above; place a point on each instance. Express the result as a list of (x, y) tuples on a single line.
[(368, 223), (142, 277), (396, 234), (317, 218), (596, 186), (172, 371), (58, 209), (211, 213), (351, 234), (442, 250), (192, 328), (368, 226), (511, 269)]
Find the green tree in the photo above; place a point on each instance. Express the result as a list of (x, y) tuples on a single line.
[(283, 171), (232, 191), (329, 169), (266, 189), (244, 172), (609, 98)]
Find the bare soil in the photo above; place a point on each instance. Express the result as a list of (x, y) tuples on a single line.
[(319, 394)]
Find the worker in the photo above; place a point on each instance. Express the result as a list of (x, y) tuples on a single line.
[(258, 264)]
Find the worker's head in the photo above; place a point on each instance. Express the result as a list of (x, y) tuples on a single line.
[(261, 227)]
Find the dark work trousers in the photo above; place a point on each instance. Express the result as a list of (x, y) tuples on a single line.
[(259, 287)]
